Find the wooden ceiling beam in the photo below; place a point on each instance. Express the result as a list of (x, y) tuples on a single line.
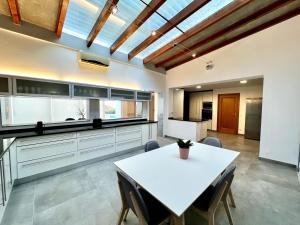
[(101, 20), (139, 21), (239, 23), (254, 30), (63, 6), (14, 11), (227, 10), (178, 18)]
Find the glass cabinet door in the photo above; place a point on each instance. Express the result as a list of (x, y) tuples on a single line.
[(90, 92), (143, 96), (120, 94), (31, 87), (4, 85)]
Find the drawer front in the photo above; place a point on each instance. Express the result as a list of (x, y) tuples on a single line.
[(93, 153), (129, 135), (33, 167), (95, 141), (122, 146), (30, 152), (128, 128), (145, 133), (46, 138), (95, 132)]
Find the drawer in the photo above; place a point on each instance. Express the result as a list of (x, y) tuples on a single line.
[(95, 132), (30, 152), (128, 128), (95, 141), (122, 146), (93, 153), (33, 167), (129, 135), (45, 138)]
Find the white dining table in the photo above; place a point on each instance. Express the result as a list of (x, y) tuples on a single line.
[(175, 182)]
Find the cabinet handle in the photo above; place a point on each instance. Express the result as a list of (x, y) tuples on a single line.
[(50, 144), (96, 138), (129, 132), (95, 149), (50, 139), (48, 160)]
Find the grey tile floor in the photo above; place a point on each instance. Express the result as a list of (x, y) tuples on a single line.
[(265, 193)]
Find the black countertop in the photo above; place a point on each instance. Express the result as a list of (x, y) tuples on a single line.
[(191, 120), (8, 136)]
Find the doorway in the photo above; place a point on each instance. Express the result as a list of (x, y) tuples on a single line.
[(228, 113)]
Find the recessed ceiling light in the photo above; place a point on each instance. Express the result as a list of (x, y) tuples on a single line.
[(194, 55), (198, 86), (153, 33), (114, 10), (243, 81), (177, 89)]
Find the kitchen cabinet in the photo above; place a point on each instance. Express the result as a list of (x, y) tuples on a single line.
[(40, 88), (121, 94), (90, 91), (5, 85)]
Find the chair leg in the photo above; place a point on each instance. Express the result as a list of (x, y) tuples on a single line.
[(231, 198), (228, 211), (125, 215), (121, 216)]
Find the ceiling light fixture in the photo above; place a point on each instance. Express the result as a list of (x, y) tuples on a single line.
[(209, 65), (243, 81), (153, 33), (194, 55), (177, 89), (198, 86), (114, 10)]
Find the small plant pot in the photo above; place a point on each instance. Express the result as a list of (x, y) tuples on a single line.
[(184, 153)]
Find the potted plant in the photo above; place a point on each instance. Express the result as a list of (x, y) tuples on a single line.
[(184, 148)]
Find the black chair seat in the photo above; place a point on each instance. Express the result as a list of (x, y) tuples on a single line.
[(203, 201), (157, 212)]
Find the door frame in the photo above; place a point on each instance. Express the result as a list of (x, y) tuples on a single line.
[(237, 109)]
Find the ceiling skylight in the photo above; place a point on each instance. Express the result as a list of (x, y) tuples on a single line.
[(82, 15)]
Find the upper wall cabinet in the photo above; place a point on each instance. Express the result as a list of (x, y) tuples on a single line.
[(40, 88), (143, 96), (89, 91), (121, 94), (5, 85)]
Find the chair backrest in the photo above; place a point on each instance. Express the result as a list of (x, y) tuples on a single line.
[(213, 141), (151, 145), (128, 188), (226, 178)]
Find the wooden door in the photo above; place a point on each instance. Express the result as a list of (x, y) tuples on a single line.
[(228, 113)]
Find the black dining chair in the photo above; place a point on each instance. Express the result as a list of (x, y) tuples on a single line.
[(207, 204), (148, 210), (213, 141), (151, 145)]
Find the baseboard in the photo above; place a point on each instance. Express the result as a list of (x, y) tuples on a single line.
[(277, 162)]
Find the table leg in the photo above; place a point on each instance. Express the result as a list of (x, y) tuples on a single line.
[(178, 220)]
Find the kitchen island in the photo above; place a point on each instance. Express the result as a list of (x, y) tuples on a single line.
[(194, 130)]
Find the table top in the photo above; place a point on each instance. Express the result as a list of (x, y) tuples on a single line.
[(175, 182)]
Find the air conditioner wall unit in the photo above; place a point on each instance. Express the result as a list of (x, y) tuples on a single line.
[(93, 59)]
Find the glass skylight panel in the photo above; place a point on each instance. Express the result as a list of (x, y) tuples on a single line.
[(203, 13), (81, 17), (117, 23), (171, 7), (172, 34)]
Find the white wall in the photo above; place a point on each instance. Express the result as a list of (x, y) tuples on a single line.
[(26, 56), (273, 53), (245, 92)]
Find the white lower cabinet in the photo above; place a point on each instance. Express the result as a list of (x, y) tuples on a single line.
[(92, 153), (34, 155), (30, 152), (125, 145), (33, 167)]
